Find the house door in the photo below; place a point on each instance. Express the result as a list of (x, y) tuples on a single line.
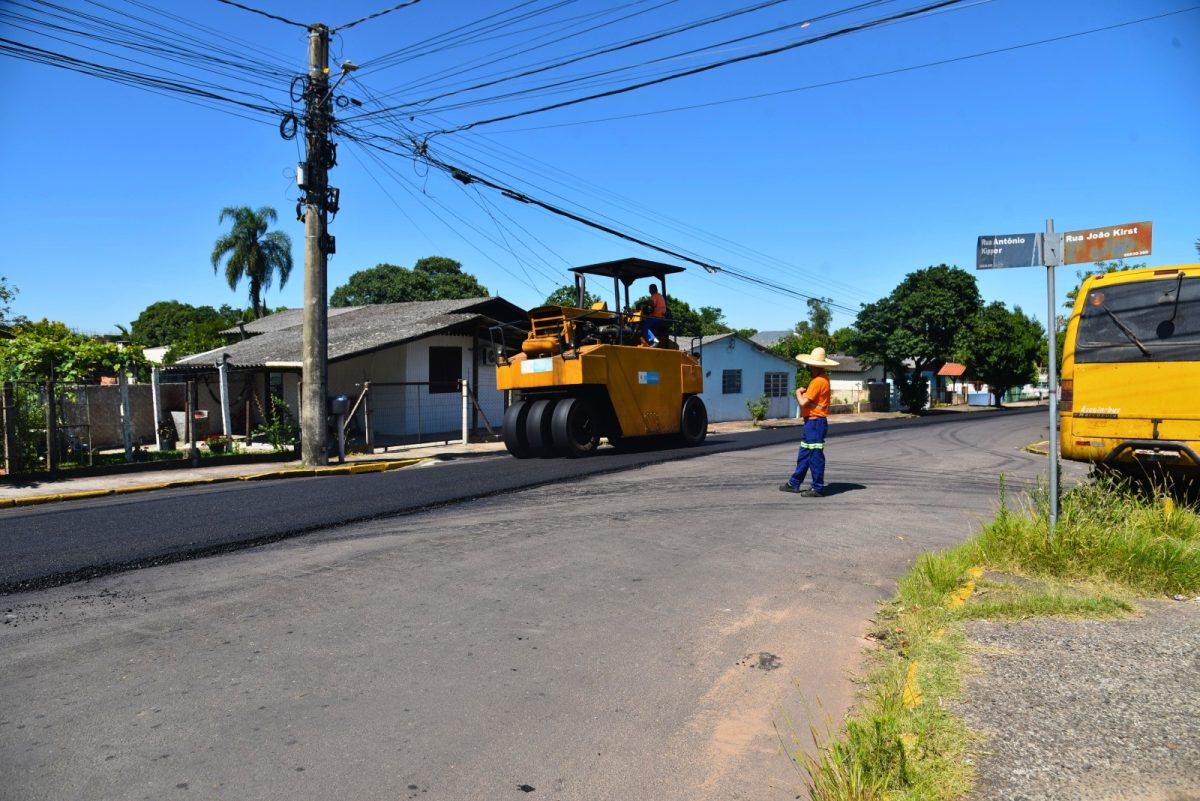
[(775, 388)]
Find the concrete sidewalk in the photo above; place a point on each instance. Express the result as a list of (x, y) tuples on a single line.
[(68, 487)]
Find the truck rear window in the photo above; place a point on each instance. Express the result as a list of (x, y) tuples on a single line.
[(1157, 320)]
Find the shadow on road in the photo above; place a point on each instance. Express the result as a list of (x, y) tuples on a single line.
[(837, 488)]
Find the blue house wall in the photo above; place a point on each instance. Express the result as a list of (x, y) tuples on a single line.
[(732, 352)]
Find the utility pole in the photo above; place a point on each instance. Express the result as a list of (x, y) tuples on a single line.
[(314, 181)]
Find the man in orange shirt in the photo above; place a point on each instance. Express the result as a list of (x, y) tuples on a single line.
[(655, 316), (814, 408)]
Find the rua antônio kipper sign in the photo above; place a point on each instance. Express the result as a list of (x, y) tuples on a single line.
[(1008, 250)]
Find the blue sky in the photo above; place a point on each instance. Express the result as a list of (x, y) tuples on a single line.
[(836, 191)]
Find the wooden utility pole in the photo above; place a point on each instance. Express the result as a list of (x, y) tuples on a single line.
[(317, 246)]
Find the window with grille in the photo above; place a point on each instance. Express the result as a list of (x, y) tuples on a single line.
[(731, 382), (775, 385)]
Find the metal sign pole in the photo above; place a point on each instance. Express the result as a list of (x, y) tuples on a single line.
[(1052, 253)]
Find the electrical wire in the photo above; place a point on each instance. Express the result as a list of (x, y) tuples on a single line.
[(867, 76), (375, 15), (263, 13), (708, 67)]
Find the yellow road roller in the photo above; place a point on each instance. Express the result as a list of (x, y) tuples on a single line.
[(589, 373)]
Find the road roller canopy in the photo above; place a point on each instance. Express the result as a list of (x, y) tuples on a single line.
[(629, 270)]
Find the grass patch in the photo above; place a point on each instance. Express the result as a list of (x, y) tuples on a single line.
[(1110, 545)]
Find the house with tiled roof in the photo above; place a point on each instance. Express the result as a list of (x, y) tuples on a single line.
[(400, 365), (737, 370)]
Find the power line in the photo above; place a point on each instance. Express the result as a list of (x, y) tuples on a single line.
[(837, 82), (604, 51), (373, 16), (263, 13), (465, 178), (708, 67)]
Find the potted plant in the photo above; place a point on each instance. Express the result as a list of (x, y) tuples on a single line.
[(218, 443), (167, 436)]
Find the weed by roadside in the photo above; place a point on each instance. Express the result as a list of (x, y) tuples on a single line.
[(1110, 546)]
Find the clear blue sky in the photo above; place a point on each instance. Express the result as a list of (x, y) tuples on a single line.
[(113, 192)]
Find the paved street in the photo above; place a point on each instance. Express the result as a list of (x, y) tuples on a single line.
[(656, 632)]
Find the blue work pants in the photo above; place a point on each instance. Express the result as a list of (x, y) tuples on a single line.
[(812, 453)]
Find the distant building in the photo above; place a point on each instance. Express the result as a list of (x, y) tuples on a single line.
[(768, 338)]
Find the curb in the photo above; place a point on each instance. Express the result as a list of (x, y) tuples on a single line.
[(338, 470), (1040, 448)]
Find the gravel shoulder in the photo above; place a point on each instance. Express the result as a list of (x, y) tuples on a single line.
[(1088, 710)]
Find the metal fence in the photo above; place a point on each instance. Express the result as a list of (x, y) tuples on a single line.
[(59, 425), (390, 414)]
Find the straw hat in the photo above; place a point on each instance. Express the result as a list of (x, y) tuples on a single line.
[(816, 359)]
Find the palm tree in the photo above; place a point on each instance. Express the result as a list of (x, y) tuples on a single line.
[(254, 253)]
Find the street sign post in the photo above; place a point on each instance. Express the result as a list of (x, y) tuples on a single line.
[(1107, 244), (1052, 249), (1009, 250)]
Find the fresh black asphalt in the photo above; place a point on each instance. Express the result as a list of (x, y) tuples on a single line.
[(46, 546)]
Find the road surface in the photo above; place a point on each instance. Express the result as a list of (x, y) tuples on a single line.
[(659, 632)]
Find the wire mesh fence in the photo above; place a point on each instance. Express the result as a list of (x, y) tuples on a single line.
[(414, 412)]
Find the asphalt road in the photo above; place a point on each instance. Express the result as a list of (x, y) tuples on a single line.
[(659, 632), (49, 545)]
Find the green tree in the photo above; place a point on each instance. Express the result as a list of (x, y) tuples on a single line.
[(253, 253), (447, 280), (919, 322), (840, 340), (819, 317), (871, 341), (931, 307), (7, 295), (1002, 348), (431, 278), (168, 321), (565, 296)]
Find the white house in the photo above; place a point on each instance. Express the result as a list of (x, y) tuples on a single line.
[(412, 357), (737, 370)]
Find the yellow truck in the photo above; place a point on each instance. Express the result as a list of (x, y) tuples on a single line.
[(583, 374), (1130, 385)]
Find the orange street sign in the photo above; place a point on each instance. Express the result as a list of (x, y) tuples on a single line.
[(1106, 244)]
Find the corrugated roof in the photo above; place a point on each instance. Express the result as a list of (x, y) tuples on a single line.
[(952, 369), (362, 329), (846, 363), (768, 338), (280, 320)]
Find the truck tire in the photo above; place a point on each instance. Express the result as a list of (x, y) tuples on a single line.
[(537, 427), (573, 428), (514, 430), (693, 421)]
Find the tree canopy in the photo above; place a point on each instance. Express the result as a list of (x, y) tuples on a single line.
[(565, 296), (920, 320), (253, 253), (431, 278), (7, 295), (165, 322), (1002, 348)]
